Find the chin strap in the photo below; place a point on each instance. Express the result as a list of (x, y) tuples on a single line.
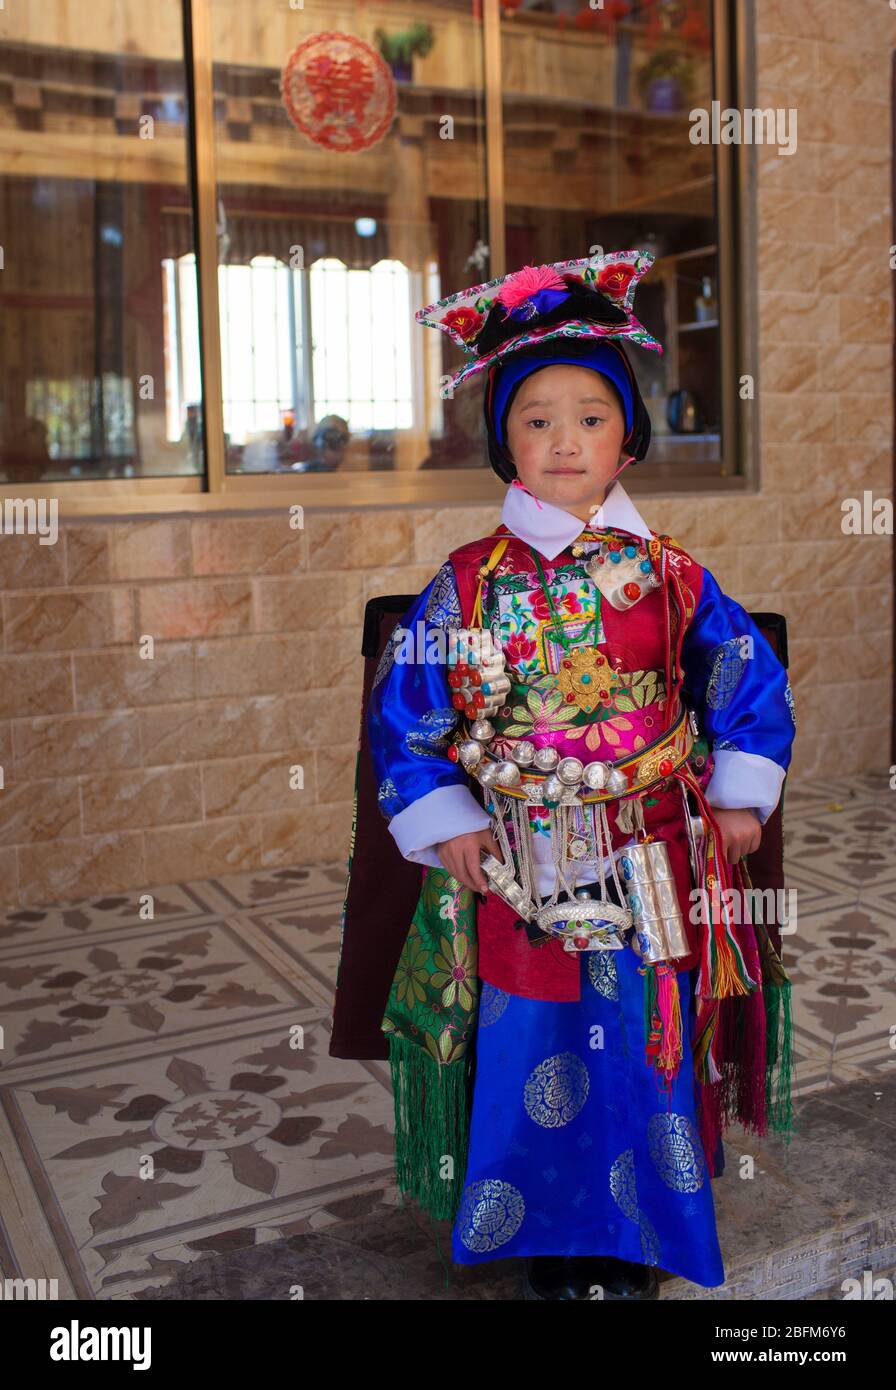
[(625, 464), (522, 487)]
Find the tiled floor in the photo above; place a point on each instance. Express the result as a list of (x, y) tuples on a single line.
[(840, 856), (186, 1043)]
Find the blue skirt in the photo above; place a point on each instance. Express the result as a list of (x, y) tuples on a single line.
[(574, 1149)]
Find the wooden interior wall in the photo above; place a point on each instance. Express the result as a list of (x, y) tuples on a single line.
[(540, 56), (563, 137)]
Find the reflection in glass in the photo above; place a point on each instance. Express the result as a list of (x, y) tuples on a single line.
[(93, 133), (351, 173), (597, 152)]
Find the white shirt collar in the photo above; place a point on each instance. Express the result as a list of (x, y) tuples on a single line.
[(551, 529)]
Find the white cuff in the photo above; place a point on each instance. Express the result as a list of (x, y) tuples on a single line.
[(745, 781), (437, 816)]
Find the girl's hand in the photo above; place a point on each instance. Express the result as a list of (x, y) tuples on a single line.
[(461, 857), (741, 832)]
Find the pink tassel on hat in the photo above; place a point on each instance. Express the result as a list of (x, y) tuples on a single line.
[(525, 283)]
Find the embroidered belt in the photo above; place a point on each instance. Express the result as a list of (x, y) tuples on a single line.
[(651, 764)]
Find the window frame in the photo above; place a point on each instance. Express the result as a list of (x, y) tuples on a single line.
[(216, 490)]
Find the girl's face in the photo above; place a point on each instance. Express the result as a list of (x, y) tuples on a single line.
[(564, 432)]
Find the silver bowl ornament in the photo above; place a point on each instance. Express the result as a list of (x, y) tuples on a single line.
[(523, 753), (595, 776), (569, 770), (508, 774), (547, 758)]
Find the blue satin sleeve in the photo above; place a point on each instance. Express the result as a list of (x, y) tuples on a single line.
[(410, 718), (735, 683)]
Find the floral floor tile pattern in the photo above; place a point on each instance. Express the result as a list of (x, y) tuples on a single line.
[(166, 1093)]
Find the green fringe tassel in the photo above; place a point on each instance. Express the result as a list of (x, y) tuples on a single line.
[(779, 1057), (777, 996), (431, 1124)]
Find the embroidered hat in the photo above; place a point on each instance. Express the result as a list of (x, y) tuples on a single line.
[(586, 298)]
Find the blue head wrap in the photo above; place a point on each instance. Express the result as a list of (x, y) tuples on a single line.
[(602, 357)]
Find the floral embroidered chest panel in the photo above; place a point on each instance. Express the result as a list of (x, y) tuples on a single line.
[(587, 677)]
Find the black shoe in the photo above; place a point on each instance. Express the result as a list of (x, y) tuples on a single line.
[(557, 1276), (589, 1277), (623, 1279)]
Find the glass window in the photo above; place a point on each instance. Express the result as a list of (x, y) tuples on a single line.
[(93, 125), (361, 358), (597, 152), (351, 181), (353, 164)]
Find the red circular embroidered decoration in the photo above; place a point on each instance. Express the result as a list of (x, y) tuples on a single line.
[(339, 92)]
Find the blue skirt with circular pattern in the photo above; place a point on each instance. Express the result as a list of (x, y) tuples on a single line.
[(574, 1149)]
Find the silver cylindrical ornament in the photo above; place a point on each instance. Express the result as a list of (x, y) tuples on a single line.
[(651, 894), (502, 880)]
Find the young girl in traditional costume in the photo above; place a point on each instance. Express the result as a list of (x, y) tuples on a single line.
[(578, 735)]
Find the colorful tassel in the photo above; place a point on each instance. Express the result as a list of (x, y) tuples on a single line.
[(662, 1020)]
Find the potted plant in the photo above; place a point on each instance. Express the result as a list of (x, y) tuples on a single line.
[(666, 80), (398, 49)]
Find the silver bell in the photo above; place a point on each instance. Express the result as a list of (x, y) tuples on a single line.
[(483, 730), (546, 759), (508, 774), (523, 753), (617, 782), (469, 752), (552, 788), (488, 774)]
